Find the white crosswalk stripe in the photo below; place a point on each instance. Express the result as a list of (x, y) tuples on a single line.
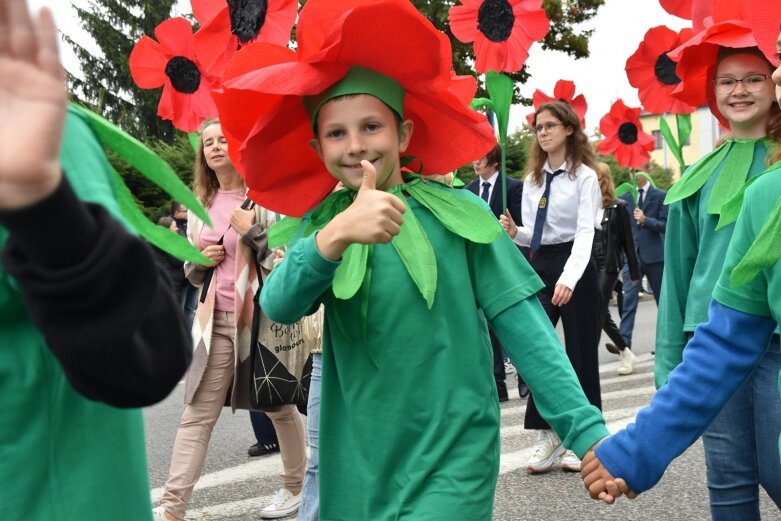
[(517, 443)]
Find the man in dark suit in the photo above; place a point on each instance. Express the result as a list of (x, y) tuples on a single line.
[(488, 186), (648, 225)]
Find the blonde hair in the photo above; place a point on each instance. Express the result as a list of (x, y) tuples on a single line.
[(606, 185), (579, 151), (205, 182)]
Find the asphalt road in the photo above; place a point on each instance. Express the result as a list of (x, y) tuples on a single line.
[(236, 487)]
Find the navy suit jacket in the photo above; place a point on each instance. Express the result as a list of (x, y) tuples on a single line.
[(649, 238), (514, 196)]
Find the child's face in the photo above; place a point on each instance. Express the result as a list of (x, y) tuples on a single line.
[(354, 128), (777, 72), (743, 109)]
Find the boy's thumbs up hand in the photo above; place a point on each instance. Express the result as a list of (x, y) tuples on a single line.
[(369, 176), (374, 217)]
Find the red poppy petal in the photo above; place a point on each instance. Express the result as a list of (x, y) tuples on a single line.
[(564, 89), (763, 17), (175, 36), (147, 64), (463, 22), (206, 10), (215, 45), (165, 109), (679, 8), (463, 88), (539, 98), (279, 22)]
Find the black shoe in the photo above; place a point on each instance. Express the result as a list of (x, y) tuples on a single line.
[(262, 450), (612, 348), (501, 390), (523, 389)]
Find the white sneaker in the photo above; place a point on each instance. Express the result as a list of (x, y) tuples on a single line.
[(283, 504), (570, 462), (545, 453), (158, 514), (628, 361)]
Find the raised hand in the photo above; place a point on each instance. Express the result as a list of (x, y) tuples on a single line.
[(374, 217), (601, 485), (32, 105)]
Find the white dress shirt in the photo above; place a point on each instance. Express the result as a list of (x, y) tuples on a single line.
[(491, 180), (573, 204)]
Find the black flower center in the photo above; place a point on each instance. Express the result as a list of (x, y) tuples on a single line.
[(627, 133), (665, 70), (184, 74), (247, 17), (495, 19)]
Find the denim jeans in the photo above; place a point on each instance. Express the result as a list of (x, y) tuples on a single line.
[(741, 445), (631, 294), (188, 299), (309, 509)]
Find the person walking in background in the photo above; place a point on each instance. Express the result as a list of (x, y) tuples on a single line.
[(188, 294), (488, 186), (221, 360), (746, 430), (649, 220), (90, 329), (614, 247), (560, 202)]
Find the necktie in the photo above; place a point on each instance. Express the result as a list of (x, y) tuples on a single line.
[(640, 197), (486, 189), (542, 211)]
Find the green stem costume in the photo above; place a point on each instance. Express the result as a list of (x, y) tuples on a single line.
[(410, 418)]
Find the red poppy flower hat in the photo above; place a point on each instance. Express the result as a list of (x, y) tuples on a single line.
[(262, 100), (765, 20), (624, 136), (696, 59)]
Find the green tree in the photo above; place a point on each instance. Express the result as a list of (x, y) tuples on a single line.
[(663, 177), (516, 157), (107, 86)]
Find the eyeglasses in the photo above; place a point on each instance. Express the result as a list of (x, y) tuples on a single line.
[(753, 83), (547, 127)]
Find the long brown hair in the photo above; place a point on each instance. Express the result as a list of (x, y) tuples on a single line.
[(579, 151), (205, 182), (606, 185)]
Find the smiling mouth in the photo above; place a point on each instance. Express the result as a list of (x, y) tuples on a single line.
[(358, 166)]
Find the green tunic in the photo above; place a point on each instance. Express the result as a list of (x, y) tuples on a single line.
[(409, 413), (64, 457), (693, 256)]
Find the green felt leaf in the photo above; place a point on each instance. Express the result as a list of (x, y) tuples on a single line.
[(143, 159), (456, 213), (731, 209), (350, 273), (732, 175), (697, 175), (417, 254), (675, 147), (161, 237), (482, 103), (764, 251), (627, 187), (500, 88), (684, 123), (195, 140), (282, 231)]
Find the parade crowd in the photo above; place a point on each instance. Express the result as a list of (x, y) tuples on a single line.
[(422, 286)]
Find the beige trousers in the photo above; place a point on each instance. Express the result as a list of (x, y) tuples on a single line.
[(199, 417)]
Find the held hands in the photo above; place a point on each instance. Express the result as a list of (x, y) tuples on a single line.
[(508, 224), (601, 485), (215, 252), (32, 106), (242, 220), (639, 216), (374, 217)]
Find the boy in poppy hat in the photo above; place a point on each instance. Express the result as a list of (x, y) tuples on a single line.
[(410, 418)]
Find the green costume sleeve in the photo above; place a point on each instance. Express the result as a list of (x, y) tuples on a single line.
[(530, 341), (680, 255)]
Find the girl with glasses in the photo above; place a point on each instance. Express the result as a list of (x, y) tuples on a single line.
[(561, 198)]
